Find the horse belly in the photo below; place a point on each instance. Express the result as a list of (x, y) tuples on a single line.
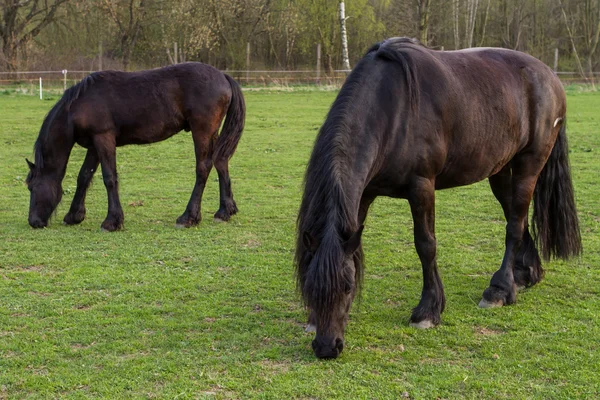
[(472, 167)]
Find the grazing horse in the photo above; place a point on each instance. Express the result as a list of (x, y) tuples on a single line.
[(111, 108), (410, 120)]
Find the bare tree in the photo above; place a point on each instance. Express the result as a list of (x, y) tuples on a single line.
[(470, 21), (127, 16), (423, 11), (20, 22)]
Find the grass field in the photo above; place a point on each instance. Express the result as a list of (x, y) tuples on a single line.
[(211, 312)]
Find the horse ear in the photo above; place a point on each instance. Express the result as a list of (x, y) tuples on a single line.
[(352, 244), (310, 242), (31, 165)]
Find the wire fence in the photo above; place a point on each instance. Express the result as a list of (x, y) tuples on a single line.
[(28, 82), (54, 82)]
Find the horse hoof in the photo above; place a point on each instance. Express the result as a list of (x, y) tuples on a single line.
[(180, 226), (425, 324), (490, 304), (219, 220), (310, 328)]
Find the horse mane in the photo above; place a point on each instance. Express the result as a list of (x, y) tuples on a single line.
[(325, 212), (65, 102)]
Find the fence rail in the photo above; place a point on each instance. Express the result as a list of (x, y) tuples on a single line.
[(55, 81)]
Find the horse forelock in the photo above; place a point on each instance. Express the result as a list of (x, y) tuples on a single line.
[(325, 213)]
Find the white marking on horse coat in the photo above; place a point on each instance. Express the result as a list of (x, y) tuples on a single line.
[(425, 324), (487, 304), (557, 121)]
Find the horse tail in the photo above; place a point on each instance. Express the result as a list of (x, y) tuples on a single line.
[(234, 123), (555, 222)]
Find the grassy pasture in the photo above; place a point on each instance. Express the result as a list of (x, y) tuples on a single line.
[(211, 312)]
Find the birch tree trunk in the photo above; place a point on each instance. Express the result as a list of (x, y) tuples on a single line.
[(456, 9), (345, 58)]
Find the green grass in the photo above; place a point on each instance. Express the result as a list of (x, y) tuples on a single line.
[(157, 312)]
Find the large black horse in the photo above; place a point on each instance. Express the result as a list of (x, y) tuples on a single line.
[(410, 120), (110, 108)]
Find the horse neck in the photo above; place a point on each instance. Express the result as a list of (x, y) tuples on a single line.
[(335, 189), (55, 147)]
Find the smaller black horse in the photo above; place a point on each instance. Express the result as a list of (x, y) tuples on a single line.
[(111, 108)]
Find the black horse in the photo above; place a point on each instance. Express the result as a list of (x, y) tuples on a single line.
[(410, 120), (110, 108)]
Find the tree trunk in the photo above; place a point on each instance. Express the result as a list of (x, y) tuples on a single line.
[(345, 58), (424, 21)]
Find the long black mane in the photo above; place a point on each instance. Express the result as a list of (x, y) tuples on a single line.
[(324, 212), (69, 96)]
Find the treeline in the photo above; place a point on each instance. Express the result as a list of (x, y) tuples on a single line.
[(282, 34)]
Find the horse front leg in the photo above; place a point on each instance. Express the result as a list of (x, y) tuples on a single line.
[(503, 288), (106, 147), (76, 213), (422, 204)]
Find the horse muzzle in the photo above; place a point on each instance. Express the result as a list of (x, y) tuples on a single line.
[(37, 223), (328, 351)]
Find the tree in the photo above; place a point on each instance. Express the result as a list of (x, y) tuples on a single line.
[(21, 22), (128, 16), (345, 59)]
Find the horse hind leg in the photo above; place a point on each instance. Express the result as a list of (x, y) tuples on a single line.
[(227, 206), (521, 266), (527, 270), (204, 136)]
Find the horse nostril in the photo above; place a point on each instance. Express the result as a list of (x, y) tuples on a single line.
[(339, 344)]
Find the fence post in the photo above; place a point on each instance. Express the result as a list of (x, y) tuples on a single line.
[(100, 56), (247, 62), (175, 52), (318, 80), (556, 59), (64, 71), (40, 88)]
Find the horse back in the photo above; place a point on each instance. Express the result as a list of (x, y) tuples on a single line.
[(149, 106), (504, 103), (454, 117)]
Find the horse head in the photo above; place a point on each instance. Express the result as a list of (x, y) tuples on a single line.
[(328, 279), (45, 193)]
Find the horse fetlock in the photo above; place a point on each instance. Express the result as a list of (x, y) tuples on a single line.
[(186, 221), (226, 211), (496, 296), (528, 274), (112, 224), (74, 218), (426, 315), (425, 324)]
